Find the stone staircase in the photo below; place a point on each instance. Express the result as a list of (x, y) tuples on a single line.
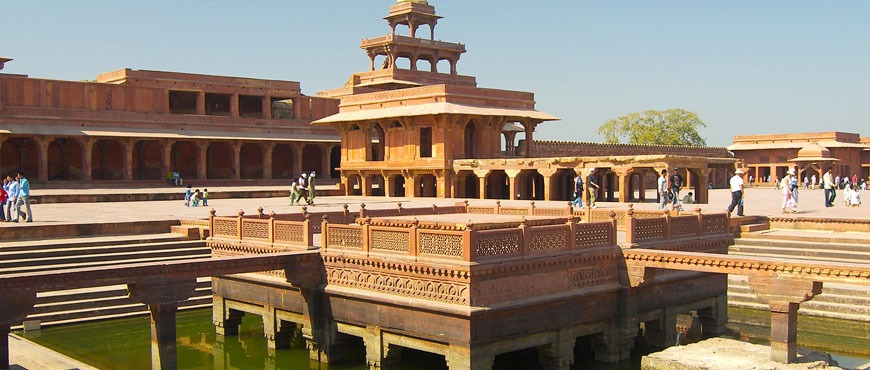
[(850, 302), (105, 302)]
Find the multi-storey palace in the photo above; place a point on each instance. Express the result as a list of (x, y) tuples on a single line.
[(135, 125)]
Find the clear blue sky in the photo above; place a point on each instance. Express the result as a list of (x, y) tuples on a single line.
[(746, 67)]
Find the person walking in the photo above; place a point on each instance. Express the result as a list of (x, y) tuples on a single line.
[(12, 199), (663, 190), (592, 188), (205, 197), (187, 194), (736, 184), (788, 201), (676, 185), (830, 188), (578, 191), (294, 194), (3, 196), (23, 197), (311, 193)]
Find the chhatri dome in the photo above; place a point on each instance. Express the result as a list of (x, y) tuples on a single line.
[(412, 1)]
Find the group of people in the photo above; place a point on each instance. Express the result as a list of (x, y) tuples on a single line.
[(303, 189), (669, 191), (591, 189), (174, 178), (15, 194), (790, 184), (194, 198)]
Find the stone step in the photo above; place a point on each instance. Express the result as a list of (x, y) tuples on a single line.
[(804, 255), (842, 244), (142, 259), (801, 253), (185, 250), (64, 251), (748, 228), (850, 302), (80, 242), (850, 237), (96, 303)]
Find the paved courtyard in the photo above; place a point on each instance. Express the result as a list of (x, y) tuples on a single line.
[(759, 201)]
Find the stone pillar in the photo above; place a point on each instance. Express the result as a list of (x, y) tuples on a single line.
[(388, 185), (296, 170), (481, 180), (784, 297), (549, 182), (379, 355), (226, 321), (237, 164), (713, 318), (277, 332), (558, 355), (442, 181), (642, 186), (624, 180), (234, 105), (702, 193), (365, 185), (410, 186), (662, 333), (42, 157), (513, 184), (165, 163), (267, 107), (200, 103), (17, 303), (325, 164), (162, 297), (129, 147), (201, 169), (87, 161), (463, 358), (530, 129), (267, 159)]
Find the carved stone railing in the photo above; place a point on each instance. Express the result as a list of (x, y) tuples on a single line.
[(530, 210), (650, 230), (466, 242)]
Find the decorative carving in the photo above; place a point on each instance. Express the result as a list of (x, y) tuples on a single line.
[(441, 244), (549, 238), (391, 240), (498, 243)]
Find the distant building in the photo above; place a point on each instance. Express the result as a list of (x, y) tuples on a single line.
[(772, 155), (137, 125)]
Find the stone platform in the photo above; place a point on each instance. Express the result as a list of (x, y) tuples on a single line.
[(722, 354)]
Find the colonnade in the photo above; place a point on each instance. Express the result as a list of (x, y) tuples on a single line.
[(54, 158)]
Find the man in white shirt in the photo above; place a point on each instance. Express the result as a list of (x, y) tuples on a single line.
[(663, 190), (830, 186), (736, 183)]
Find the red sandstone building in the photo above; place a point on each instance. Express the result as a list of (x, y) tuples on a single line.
[(772, 155), (136, 125)]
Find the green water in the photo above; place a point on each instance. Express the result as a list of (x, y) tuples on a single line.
[(124, 344)]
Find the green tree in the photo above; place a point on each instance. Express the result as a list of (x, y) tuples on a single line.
[(669, 127)]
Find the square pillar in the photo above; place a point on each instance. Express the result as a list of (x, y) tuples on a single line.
[(783, 331)]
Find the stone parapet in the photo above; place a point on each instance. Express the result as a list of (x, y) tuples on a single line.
[(545, 148)]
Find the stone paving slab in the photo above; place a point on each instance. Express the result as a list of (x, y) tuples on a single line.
[(26, 355), (759, 201)]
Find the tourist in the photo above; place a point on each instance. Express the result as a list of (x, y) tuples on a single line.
[(794, 187), (294, 194), (789, 204), (736, 184), (663, 190), (176, 179), (813, 182), (853, 197), (688, 199), (187, 194), (578, 191), (12, 199), (195, 198), (302, 186), (205, 198), (806, 182), (592, 188), (750, 180), (23, 197), (311, 193), (830, 188), (3, 196), (676, 185)]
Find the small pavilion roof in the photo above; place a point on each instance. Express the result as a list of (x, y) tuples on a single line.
[(434, 109)]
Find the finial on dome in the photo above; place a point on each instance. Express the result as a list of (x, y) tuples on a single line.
[(412, 1)]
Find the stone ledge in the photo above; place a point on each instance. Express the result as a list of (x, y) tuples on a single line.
[(721, 353)]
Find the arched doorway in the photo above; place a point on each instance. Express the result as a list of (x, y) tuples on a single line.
[(334, 162), (397, 188), (65, 158), (354, 185), (184, 158), (562, 184), (147, 160), (377, 144), (467, 185), (531, 185), (312, 158), (19, 153), (107, 160), (251, 161), (282, 162), (219, 161), (497, 186), (427, 186), (376, 182)]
